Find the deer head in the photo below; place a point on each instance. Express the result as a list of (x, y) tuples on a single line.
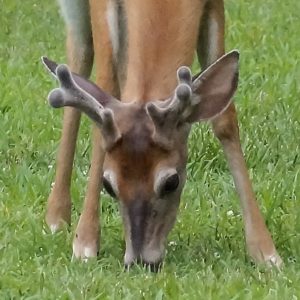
[(146, 145)]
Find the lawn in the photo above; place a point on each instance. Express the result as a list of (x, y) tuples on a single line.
[(206, 251)]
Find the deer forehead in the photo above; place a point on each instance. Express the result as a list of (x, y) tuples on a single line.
[(136, 143), (136, 160), (137, 131), (136, 157), (132, 116)]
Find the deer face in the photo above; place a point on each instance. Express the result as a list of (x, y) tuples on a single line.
[(147, 178), (146, 146)]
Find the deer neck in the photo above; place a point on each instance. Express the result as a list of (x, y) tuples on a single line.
[(161, 36)]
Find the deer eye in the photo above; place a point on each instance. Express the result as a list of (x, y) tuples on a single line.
[(108, 188), (171, 184)]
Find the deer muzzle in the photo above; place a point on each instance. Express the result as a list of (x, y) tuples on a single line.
[(145, 235)]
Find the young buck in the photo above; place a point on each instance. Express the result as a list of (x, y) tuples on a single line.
[(140, 142)]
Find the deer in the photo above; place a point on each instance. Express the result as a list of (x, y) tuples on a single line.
[(143, 105)]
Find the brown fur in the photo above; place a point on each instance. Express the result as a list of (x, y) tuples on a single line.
[(153, 58), (137, 149), (161, 36)]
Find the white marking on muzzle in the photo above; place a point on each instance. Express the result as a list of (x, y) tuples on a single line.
[(129, 256)]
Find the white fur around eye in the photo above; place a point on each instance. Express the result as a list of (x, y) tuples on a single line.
[(110, 176), (160, 178)]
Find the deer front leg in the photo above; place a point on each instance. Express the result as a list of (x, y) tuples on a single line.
[(80, 59), (87, 235), (258, 239), (86, 241), (59, 201), (210, 47)]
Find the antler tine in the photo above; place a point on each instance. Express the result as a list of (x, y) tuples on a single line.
[(70, 94), (166, 119), (184, 75), (110, 130)]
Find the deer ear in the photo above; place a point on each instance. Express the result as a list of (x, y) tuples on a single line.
[(214, 88), (103, 98)]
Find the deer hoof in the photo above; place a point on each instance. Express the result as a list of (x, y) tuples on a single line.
[(56, 222), (58, 212), (83, 250), (274, 260), (86, 239), (54, 228), (270, 259)]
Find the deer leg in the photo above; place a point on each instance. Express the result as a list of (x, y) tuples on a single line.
[(80, 59), (258, 239), (86, 241), (87, 234)]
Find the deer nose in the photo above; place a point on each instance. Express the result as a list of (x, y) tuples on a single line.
[(152, 267), (138, 214)]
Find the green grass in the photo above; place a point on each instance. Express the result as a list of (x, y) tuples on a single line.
[(206, 253)]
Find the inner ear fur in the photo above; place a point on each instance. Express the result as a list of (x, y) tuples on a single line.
[(214, 88)]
